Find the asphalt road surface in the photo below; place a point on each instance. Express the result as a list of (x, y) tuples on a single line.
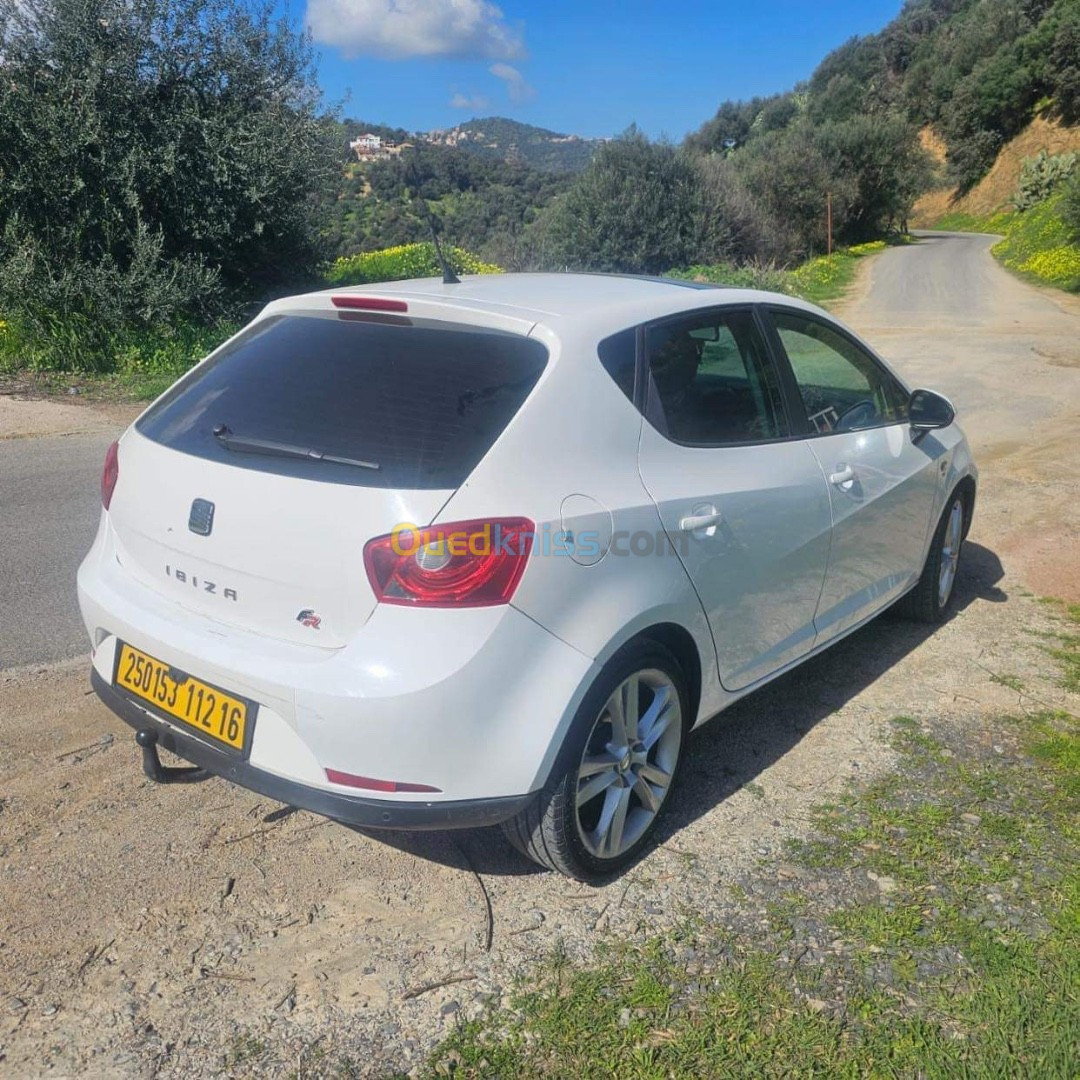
[(942, 310), (49, 507)]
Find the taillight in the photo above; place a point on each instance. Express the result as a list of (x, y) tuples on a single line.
[(109, 474), (461, 564)]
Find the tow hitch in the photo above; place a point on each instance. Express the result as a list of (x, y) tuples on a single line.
[(165, 774)]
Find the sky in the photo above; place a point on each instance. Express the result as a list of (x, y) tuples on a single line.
[(587, 68)]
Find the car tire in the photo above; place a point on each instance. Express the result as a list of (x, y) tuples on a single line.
[(933, 595), (611, 780)]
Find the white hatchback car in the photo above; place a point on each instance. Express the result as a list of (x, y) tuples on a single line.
[(427, 555)]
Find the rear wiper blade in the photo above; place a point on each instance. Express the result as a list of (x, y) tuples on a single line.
[(246, 444)]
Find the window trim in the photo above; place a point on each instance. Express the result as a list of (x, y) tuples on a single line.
[(642, 381), (783, 361)]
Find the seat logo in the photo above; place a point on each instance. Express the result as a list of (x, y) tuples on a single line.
[(201, 518)]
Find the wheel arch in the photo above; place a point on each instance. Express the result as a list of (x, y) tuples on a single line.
[(680, 643), (673, 637), (967, 488)]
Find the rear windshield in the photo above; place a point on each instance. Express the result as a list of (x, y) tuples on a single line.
[(422, 400)]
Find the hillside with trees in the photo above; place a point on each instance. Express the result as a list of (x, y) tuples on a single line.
[(483, 203), (168, 166), (760, 181), (523, 144), (974, 69)]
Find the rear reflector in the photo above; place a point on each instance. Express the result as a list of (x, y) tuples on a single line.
[(110, 474), (368, 303), (369, 784), (460, 564)]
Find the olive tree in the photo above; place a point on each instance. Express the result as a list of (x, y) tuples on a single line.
[(631, 210), (160, 159)]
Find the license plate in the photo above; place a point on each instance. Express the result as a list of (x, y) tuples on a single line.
[(209, 709)]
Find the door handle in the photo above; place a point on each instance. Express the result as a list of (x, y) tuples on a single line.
[(843, 476), (695, 522)]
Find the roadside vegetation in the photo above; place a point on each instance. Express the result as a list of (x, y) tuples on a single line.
[(401, 263), (927, 926), (819, 280)]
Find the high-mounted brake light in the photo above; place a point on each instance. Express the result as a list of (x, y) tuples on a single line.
[(368, 303), (460, 564), (110, 473)]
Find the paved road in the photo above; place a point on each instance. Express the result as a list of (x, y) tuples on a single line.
[(942, 310), (950, 318), (49, 506)]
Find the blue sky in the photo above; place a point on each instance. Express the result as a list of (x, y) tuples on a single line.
[(590, 68)]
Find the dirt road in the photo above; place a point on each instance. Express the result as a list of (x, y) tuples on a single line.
[(184, 930)]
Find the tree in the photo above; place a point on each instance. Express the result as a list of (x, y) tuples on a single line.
[(160, 159), (632, 210), (886, 169), (732, 223), (791, 179)]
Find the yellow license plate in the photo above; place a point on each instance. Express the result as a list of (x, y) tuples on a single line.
[(208, 709)]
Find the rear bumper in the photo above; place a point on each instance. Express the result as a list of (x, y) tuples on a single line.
[(370, 813), (472, 703)]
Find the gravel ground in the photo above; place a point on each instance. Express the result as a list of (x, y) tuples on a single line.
[(150, 929)]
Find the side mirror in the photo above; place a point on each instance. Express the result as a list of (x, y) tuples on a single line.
[(928, 411)]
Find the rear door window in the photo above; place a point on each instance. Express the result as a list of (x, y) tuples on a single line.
[(423, 400), (711, 382)]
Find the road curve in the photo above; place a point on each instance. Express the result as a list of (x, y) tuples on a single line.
[(951, 318)]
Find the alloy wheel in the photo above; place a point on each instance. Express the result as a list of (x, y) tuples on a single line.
[(628, 763), (950, 552)]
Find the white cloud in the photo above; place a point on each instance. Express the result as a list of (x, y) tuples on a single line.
[(465, 101), (516, 86), (395, 29)]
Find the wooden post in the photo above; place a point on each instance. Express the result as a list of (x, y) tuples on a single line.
[(828, 215)]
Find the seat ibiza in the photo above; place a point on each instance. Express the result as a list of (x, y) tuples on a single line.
[(427, 555)]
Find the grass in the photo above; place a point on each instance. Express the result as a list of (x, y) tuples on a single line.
[(1065, 647), (1036, 244), (140, 365), (137, 365), (960, 959), (961, 222)]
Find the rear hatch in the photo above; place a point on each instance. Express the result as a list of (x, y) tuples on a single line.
[(222, 506)]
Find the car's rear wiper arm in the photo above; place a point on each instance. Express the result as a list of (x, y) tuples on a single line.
[(245, 444)]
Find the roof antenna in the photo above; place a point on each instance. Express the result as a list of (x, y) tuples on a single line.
[(413, 181)]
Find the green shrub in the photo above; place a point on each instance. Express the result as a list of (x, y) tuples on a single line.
[(753, 276), (1070, 207), (633, 210), (401, 263), (1040, 176), (160, 160)]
